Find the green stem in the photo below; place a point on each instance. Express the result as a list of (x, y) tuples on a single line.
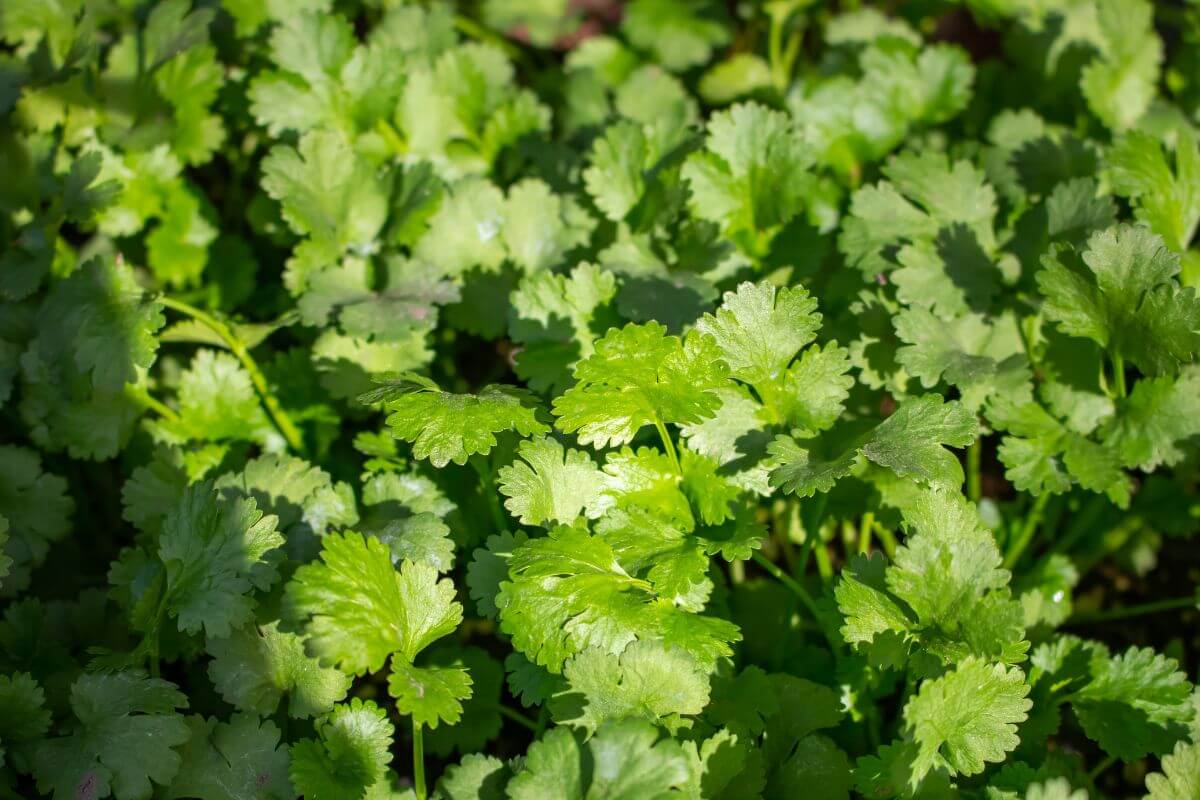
[(824, 564), (1101, 768), (788, 581), (1082, 525), (543, 718), (1128, 612), (864, 532), (516, 717), (418, 762), (1027, 530), (805, 598), (974, 459), (487, 486), (888, 538), (283, 423), (472, 29), (669, 446), (1119, 375), (155, 634), (141, 395)]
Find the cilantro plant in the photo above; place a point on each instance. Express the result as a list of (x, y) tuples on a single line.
[(609, 400)]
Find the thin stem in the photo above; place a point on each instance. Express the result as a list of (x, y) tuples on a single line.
[(800, 592), (1128, 612), (543, 718), (864, 532), (669, 446), (974, 479), (284, 423), (516, 717), (141, 395), (1101, 768), (487, 486), (155, 634), (887, 538), (1025, 536), (471, 28), (1119, 375), (824, 564), (1083, 524), (418, 762)]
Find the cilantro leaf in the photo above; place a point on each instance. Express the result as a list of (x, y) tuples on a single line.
[(648, 680), (357, 609), (1180, 776), (255, 666), (967, 717), (760, 329), (429, 694), (753, 175), (1166, 198), (444, 427), (1124, 296), (550, 485), (127, 730), (214, 552), (349, 755), (236, 760), (909, 442), (567, 592), (639, 375), (627, 759)]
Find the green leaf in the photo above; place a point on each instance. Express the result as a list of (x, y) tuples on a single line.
[(357, 609), (1124, 296), (241, 759), (422, 538), (1136, 703), (24, 719), (467, 229), (429, 694), (255, 666), (214, 551), (1119, 84), (550, 485), (476, 777), (1158, 417), (489, 568), (37, 511), (967, 718), (329, 193), (760, 330), (678, 35), (407, 298), (1180, 776), (626, 759), (540, 227), (980, 356), (753, 175), (567, 592), (127, 730), (648, 680), (349, 755), (103, 314), (218, 402), (556, 318), (909, 443), (637, 376), (945, 591), (925, 194), (1166, 195), (445, 427)]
